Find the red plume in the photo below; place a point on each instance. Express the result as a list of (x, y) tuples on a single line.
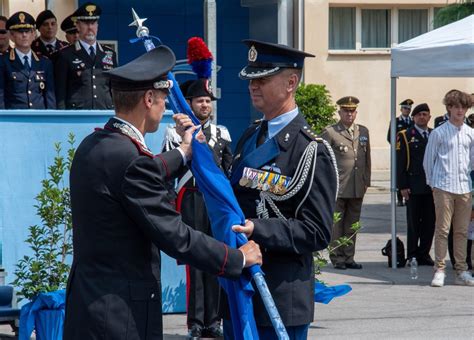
[(197, 50)]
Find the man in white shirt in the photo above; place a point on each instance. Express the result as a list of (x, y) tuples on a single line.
[(448, 162)]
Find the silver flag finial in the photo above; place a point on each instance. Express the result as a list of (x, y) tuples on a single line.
[(142, 31)]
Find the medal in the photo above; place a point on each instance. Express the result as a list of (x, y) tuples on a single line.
[(243, 181)]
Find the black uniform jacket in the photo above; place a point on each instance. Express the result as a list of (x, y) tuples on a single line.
[(288, 245), (40, 49), (122, 218), (80, 82), (400, 126), (410, 152), (23, 89)]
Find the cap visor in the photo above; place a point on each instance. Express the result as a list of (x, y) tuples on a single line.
[(250, 72)]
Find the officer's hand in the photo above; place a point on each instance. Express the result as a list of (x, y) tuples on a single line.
[(182, 123), (247, 229), (252, 253), (185, 145), (406, 194)]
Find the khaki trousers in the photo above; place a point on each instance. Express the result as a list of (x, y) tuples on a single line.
[(456, 208), (349, 208)]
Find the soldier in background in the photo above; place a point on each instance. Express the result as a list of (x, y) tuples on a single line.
[(47, 44), (411, 181), (351, 146), (79, 69), (403, 122), (68, 26), (203, 303), (4, 36), (26, 80)]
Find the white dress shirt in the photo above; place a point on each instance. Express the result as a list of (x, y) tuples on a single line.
[(449, 158)]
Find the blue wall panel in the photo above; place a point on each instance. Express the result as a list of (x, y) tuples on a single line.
[(174, 22), (27, 147)]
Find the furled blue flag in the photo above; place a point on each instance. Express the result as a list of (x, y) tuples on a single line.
[(324, 294)]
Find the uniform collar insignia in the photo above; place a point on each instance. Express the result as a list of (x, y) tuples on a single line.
[(128, 131)]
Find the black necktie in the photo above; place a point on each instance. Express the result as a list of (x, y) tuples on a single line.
[(425, 135), (50, 49), (26, 63), (262, 134), (92, 52)]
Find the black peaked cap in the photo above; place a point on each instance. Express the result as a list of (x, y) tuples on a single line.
[(43, 16), (200, 88), (149, 71), (68, 25)]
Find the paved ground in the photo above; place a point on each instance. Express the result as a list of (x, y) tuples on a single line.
[(384, 303)]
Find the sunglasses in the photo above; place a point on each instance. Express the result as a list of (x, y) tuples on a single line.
[(3, 31)]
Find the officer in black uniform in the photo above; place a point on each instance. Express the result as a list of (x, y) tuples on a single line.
[(411, 181), (79, 69), (68, 26), (26, 80), (403, 122), (290, 210), (122, 218), (202, 312), (47, 44)]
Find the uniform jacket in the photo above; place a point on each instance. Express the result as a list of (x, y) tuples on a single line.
[(440, 120), (80, 82), (22, 89), (288, 244), (121, 220), (353, 158), (410, 152), (400, 126), (40, 49)]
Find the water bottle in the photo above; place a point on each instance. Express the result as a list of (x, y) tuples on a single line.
[(414, 268)]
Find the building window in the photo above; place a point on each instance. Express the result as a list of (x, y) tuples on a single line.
[(342, 26), (376, 30), (411, 23)]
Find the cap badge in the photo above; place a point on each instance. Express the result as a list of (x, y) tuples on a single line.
[(21, 16), (90, 9), (253, 54), (208, 86)]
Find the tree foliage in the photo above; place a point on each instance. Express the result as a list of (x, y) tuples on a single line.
[(46, 269), (453, 12), (315, 103)]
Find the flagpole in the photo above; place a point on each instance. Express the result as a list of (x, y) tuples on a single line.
[(178, 104)]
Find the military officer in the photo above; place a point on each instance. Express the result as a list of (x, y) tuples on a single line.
[(403, 122), (79, 69), (68, 26), (351, 144), (122, 217), (4, 36), (47, 44), (290, 210), (202, 312), (411, 181), (26, 80)]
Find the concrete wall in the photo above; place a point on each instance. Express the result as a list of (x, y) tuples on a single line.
[(366, 75)]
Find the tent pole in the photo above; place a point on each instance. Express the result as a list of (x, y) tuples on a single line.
[(393, 168)]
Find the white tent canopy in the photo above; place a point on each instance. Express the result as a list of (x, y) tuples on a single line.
[(445, 52)]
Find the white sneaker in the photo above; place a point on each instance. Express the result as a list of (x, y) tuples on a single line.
[(464, 279), (438, 279)]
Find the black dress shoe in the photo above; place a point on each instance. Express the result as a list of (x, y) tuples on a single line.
[(341, 266), (354, 265), (212, 332), (195, 332), (400, 203), (425, 261)]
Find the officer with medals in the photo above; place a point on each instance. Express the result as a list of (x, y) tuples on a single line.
[(203, 288), (4, 36), (351, 144), (289, 209), (47, 44), (27, 80), (68, 26), (411, 181), (79, 69), (403, 122), (122, 217)]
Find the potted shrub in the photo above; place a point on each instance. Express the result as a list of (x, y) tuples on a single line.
[(46, 269)]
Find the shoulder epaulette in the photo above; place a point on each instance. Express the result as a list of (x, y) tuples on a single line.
[(225, 134), (309, 132), (171, 134)]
